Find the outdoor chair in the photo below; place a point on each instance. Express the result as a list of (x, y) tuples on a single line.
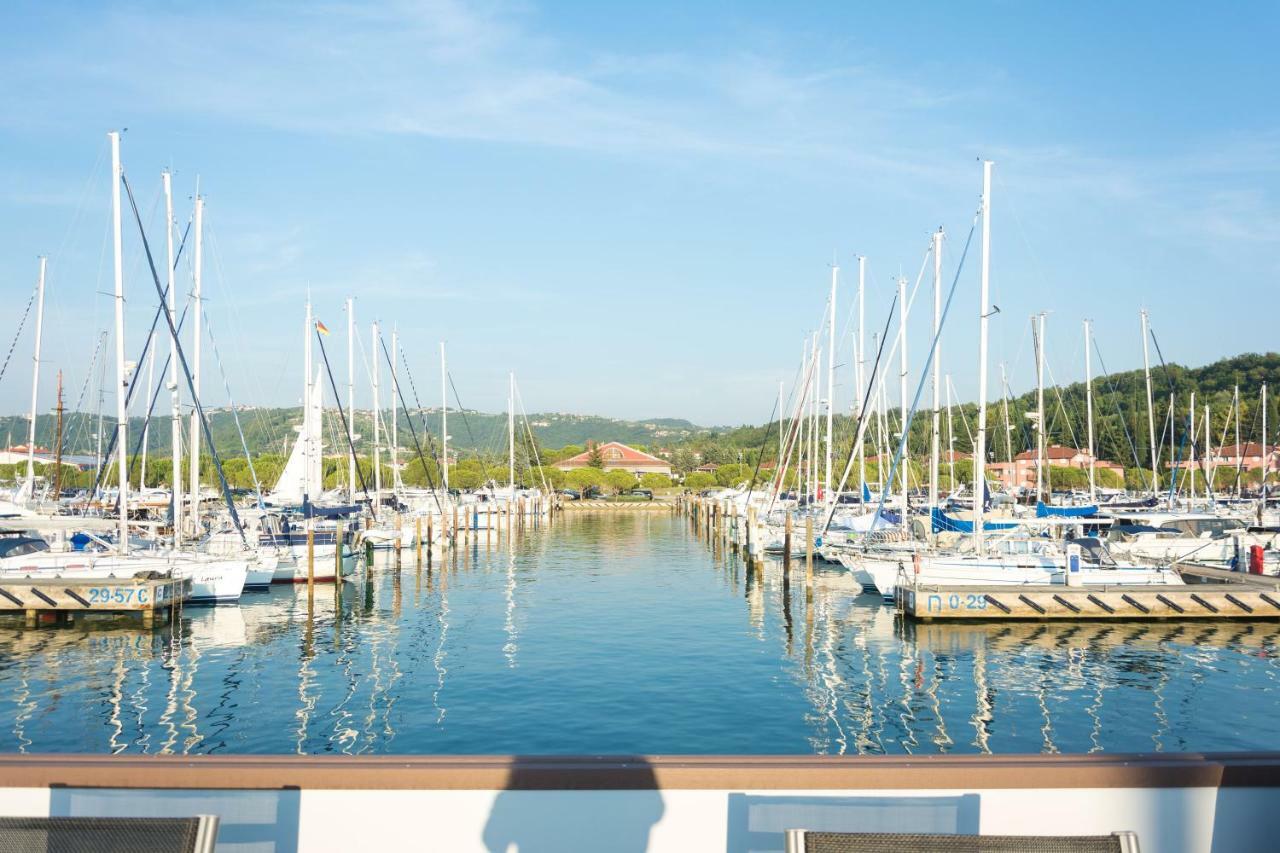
[(800, 841), (108, 834)]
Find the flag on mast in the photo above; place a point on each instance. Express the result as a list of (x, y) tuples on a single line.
[(322, 328)]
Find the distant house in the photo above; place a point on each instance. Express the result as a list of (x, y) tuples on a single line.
[(43, 456), (1246, 456), (616, 456), (1021, 472), (18, 453)]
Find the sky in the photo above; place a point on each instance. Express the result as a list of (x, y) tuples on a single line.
[(636, 207)]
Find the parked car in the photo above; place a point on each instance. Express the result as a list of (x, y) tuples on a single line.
[(647, 494), (571, 494), (593, 493)]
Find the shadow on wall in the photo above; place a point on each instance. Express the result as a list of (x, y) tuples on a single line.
[(758, 823), (248, 821), (531, 815)]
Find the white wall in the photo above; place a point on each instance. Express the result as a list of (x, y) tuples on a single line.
[(1167, 820)]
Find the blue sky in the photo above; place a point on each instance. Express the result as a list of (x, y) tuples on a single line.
[(635, 207)]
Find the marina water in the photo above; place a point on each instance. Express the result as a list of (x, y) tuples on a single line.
[(624, 633)]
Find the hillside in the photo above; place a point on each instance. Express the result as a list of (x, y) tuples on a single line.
[(271, 430), (1120, 416)]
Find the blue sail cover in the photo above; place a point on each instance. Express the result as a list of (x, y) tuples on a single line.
[(943, 523), (1044, 510)]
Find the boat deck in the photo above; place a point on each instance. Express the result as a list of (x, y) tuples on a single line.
[(52, 600), (1126, 603)]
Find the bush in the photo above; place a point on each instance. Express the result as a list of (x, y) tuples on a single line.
[(699, 480), (620, 481), (655, 481), (581, 478)]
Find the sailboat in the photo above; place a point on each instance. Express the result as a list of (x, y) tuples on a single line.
[(214, 579), (1015, 554)]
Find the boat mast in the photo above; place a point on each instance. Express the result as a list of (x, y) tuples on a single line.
[(102, 385), (57, 450), (35, 385), (861, 373), (1191, 432), (935, 438), (831, 381), (122, 380), (902, 391), (1173, 428), (780, 439), (395, 420), (1004, 407), (175, 396), (1266, 463), (1088, 407), (980, 452), (377, 415), (814, 485), (1210, 467), (511, 432), (308, 326), (882, 428), (351, 399), (1151, 406), (1037, 330), (444, 420), (146, 423), (194, 445), (1235, 404), (951, 437)]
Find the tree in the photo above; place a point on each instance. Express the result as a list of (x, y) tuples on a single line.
[(534, 477), (655, 481), (467, 474), (732, 474), (596, 459), (619, 480), (582, 478), (699, 480)]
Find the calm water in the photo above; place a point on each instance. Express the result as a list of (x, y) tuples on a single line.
[(625, 634)]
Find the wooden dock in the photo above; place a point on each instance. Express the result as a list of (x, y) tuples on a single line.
[(591, 504), (1124, 603), (1200, 573), (53, 600)]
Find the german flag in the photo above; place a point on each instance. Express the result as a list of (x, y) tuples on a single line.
[(322, 328)]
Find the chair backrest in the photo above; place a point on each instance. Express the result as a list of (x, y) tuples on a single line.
[(108, 834), (800, 841)]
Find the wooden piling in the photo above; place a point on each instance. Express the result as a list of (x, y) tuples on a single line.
[(808, 546), (311, 564), (786, 542), (337, 557), (417, 538)]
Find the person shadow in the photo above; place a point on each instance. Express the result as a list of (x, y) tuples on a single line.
[(558, 805)]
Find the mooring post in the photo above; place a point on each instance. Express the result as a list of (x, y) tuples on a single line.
[(337, 557), (417, 537), (808, 546), (311, 563), (786, 542)]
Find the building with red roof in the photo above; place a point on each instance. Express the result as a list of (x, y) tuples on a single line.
[(616, 456)]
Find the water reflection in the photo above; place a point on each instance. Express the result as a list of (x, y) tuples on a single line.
[(623, 634)]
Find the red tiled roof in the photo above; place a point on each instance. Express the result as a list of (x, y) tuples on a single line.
[(616, 452), (1251, 448), (1052, 452)]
